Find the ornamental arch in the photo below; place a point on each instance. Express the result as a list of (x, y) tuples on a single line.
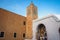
[(41, 32)]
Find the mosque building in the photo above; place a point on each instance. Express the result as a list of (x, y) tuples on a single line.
[(18, 27)]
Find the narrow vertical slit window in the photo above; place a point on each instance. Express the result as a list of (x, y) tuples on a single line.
[(24, 23), (14, 35), (23, 35)]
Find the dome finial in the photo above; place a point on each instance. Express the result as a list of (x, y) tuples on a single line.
[(31, 2)]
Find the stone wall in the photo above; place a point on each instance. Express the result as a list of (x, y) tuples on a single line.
[(11, 23)]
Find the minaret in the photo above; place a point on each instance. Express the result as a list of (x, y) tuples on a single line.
[(32, 11), (31, 15)]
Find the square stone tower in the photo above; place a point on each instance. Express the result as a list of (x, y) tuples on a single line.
[(31, 15)]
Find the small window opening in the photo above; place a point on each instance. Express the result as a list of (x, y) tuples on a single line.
[(23, 35), (14, 35), (24, 23), (1, 34)]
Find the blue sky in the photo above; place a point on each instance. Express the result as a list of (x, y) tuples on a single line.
[(45, 7)]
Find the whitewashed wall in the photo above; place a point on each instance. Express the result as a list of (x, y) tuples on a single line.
[(52, 27)]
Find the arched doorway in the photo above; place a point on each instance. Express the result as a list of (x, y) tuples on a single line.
[(41, 32)]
